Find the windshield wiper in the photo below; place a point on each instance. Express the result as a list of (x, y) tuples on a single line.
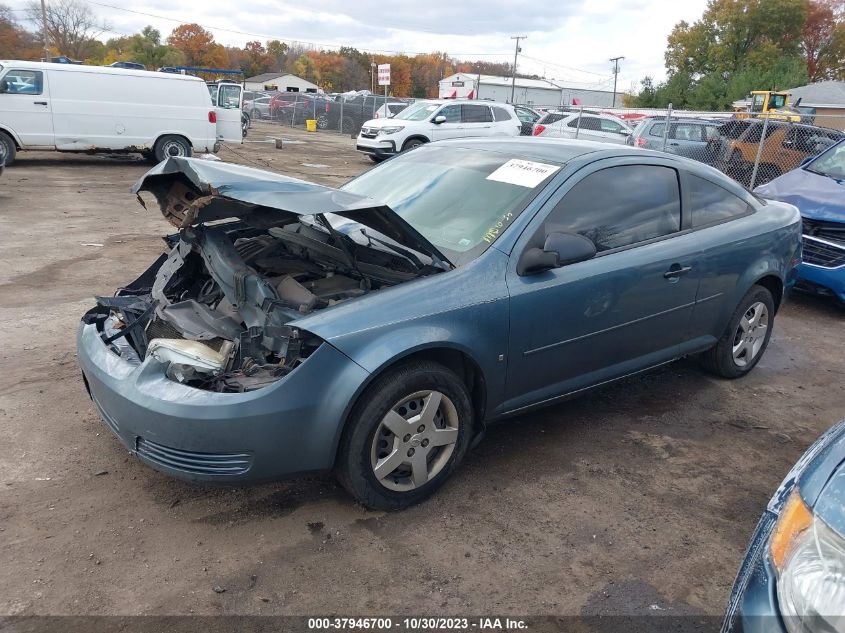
[(837, 177)]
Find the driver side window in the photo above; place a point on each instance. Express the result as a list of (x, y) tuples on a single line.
[(452, 113), (620, 206), (22, 82)]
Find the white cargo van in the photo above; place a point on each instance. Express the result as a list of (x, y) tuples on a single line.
[(72, 108)]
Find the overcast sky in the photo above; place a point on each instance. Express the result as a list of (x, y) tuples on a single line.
[(567, 39)]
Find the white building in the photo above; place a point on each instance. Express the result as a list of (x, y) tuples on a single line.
[(538, 92), (284, 82)]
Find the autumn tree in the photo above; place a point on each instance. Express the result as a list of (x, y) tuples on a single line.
[(198, 46), (72, 27), (822, 39), (743, 45), (278, 51), (427, 71), (15, 41), (256, 59)]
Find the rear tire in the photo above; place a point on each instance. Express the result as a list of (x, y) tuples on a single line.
[(375, 159), (171, 145), (387, 466), (7, 149), (746, 338)]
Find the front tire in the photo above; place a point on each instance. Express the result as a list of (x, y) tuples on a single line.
[(7, 149), (171, 145), (411, 144), (746, 337), (405, 436)]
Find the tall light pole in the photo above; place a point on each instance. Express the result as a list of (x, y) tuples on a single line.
[(44, 24), (615, 61), (515, 53)]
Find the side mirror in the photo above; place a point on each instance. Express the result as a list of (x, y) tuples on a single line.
[(560, 249), (440, 118), (4, 86)]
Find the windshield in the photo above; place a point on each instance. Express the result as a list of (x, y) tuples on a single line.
[(417, 112), (831, 163), (459, 199)]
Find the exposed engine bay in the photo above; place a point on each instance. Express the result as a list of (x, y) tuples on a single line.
[(215, 310)]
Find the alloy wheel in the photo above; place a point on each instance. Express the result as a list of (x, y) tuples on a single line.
[(414, 441), (750, 335)]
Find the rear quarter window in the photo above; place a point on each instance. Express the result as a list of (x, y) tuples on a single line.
[(500, 114), (710, 203)]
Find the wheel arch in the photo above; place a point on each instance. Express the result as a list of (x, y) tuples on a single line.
[(12, 136), (774, 285), (453, 357), (416, 137)]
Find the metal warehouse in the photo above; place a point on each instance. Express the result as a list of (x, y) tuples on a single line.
[(527, 91)]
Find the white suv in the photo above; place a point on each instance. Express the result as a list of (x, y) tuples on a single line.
[(435, 120)]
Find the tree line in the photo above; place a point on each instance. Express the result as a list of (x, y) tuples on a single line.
[(75, 31), (742, 45)]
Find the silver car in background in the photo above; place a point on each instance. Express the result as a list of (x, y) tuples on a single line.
[(584, 126), (686, 137)]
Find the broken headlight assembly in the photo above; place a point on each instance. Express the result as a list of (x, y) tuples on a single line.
[(810, 561)]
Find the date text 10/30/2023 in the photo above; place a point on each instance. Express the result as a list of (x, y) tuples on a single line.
[(417, 624)]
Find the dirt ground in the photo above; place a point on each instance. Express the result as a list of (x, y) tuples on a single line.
[(638, 497)]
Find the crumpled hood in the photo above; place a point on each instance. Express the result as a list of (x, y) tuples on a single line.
[(192, 191), (817, 197)]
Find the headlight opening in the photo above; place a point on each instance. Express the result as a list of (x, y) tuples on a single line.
[(810, 561)]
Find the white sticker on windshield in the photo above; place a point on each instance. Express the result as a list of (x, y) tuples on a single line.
[(525, 173)]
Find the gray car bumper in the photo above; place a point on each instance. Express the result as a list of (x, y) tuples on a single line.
[(288, 428)]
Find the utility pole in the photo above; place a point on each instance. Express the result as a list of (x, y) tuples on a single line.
[(615, 61), (44, 24), (515, 53)]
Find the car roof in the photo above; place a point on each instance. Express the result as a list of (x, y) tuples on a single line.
[(662, 119)]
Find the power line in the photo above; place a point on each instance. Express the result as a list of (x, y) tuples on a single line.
[(579, 70), (265, 36)]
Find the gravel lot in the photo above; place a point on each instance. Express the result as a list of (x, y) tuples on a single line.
[(641, 494)]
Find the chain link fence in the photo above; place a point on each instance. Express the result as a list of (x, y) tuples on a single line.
[(751, 149), (337, 115)]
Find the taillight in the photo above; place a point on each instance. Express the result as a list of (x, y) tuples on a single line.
[(212, 116), (539, 129), (639, 141)]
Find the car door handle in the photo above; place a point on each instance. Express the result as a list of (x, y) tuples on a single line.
[(677, 271), (675, 144), (40, 102)]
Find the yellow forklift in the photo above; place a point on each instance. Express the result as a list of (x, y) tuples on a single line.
[(775, 103)]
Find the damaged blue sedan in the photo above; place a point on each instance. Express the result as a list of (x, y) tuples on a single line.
[(376, 329)]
